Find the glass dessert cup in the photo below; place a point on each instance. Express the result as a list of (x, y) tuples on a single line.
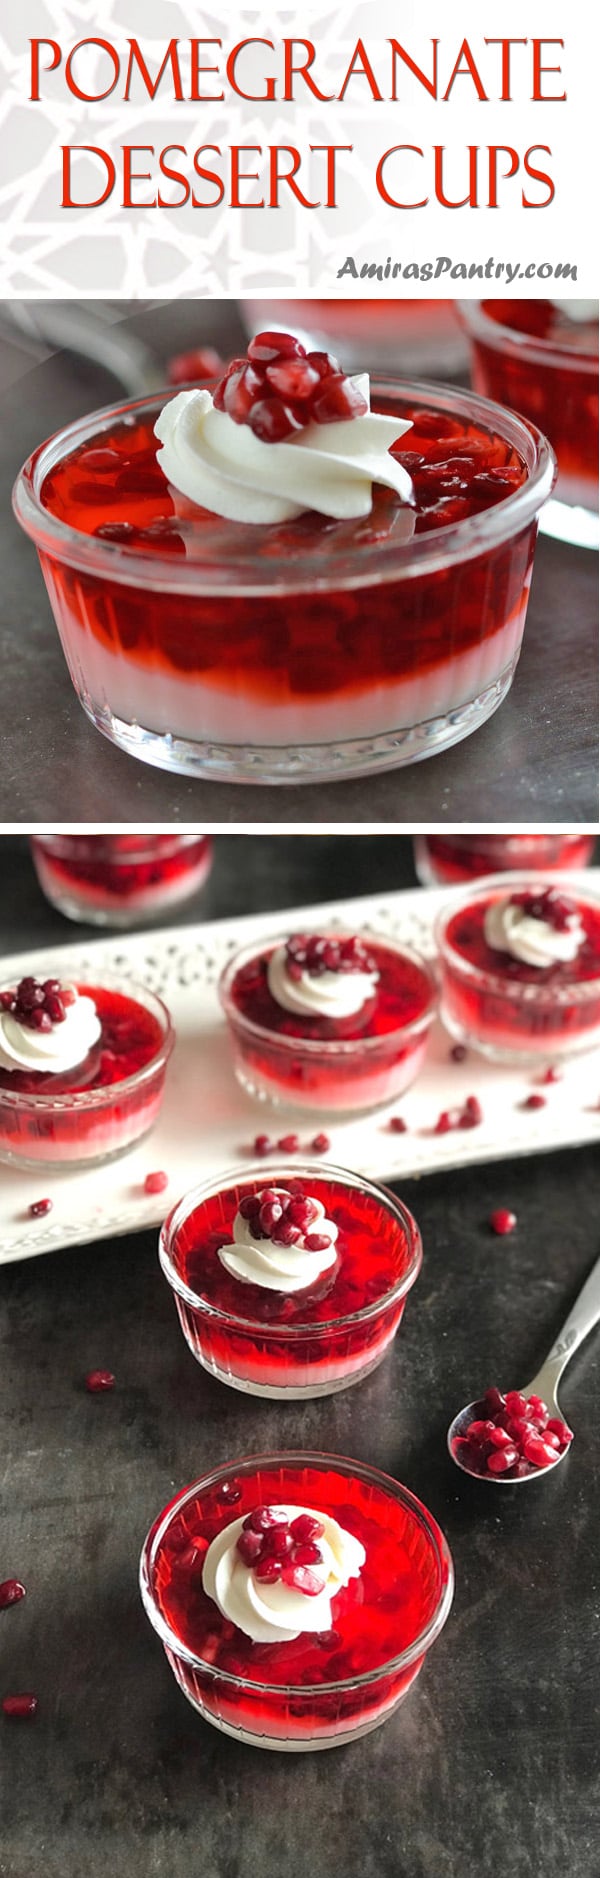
[(511, 1012), (394, 336), (295, 1345), (118, 880), (322, 1066), (79, 1126), (310, 650), (448, 860), (324, 1689), (555, 385)]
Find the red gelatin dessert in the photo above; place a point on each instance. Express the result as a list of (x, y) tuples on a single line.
[(116, 880), (277, 580), (509, 1437), (291, 1283), (82, 1069), (448, 860), (521, 968), (287, 1654), (328, 1021), (540, 357)]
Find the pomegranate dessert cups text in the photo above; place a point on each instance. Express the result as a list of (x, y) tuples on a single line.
[(448, 860), (290, 1285), (276, 581), (82, 1069), (117, 880), (328, 1021), (296, 1597), (520, 961), (540, 357)]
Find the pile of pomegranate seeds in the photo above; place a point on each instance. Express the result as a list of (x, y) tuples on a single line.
[(38, 1006), (312, 953), (279, 388), (549, 905), (284, 1218), (276, 1547), (512, 1434)]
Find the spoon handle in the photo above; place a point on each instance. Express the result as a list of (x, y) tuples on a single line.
[(584, 1315)]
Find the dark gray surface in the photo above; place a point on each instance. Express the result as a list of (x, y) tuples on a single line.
[(488, 1770), (536, 760)]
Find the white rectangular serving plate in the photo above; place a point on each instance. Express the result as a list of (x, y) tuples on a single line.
[(208, 1123)]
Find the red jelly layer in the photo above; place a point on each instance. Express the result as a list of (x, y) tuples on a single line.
[(562, 399), (402, 995), (291, 645), (130, 1038), (374, 1618), (114, 864), (450, 859)]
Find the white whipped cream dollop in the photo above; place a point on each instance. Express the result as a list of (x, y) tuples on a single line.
[(51, 1051), (510, 928), (279, 1267), (577, 310), (223, 467), (319, 994), (276, 1613)]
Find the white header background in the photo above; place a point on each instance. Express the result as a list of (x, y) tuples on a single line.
[(48, 251)]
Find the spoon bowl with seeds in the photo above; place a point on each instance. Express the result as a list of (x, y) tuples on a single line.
[(508, 1439)]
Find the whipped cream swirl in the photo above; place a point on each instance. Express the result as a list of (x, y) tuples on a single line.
[(51, 1051), (322, 994), (280, 1267), (510, 928), (276, 1613), (224, 467)]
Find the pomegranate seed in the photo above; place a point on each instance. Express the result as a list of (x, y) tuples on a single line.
[(286, 1234), (270, 1215), (304, 1527), (265, 348), (556, 1427), (293, 378), (262, 1145), (99, 1381), (310, 1554), (550, 1439), (20, 1707), (272, 421), (324, 364), (337, 401), (397, 1125), (156, 1183), (39, 1208), (11, 1592), (458, 1052), (500, 1438), (444, 1123), (268, 1570), (302, 1212), (502, 1460), (537, 1451), (537, 1407), (551, 1075), (480, 1431), (493, 1402), (516, 1404), (502, 1221), (301, 1578), (317, 1242), (289, 1144), (263, 1517), (249, 1546), (472, 1113), (278, 1542), (204, 362), (320, 1144), (250, 1206), (230, 1493), (534, 1102)]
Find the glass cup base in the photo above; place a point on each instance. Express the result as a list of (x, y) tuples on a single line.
[(308, 763), (52, 1164), (565, 521), (528, 1057), (321, 1109), (315, 1744)]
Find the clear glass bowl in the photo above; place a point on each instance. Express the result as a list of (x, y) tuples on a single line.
[(291, 1360), (119, 880), (304, 1716), (82, 1128), (448, 860), (556, 387), (507, 1018), (341, 1076), (305, 663)]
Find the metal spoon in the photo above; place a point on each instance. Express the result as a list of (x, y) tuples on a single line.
[(581, 1319)]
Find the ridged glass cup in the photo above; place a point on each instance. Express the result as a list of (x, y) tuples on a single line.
[(514, 1020), (290, 1361), (272, 666), (96, 879), (304, 1716)]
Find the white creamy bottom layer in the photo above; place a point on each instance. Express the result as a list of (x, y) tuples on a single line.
[(322, 1735), (100, 1138), (365, 1090), (199, 712)]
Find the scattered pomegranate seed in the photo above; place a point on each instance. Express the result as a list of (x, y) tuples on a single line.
[(39, 1208), (397, 1126), (444, 1123), (459, 1052), (262, 1144), (184, 367), (156, 1183), (20, 1707), (230, 1493), (502, 1221), (289, 1144), (551, 1075), (11, 1592), (533, 1102), (99, 1381), (472, 1113), (320, 1144)]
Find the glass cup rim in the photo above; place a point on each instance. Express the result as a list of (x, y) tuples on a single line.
[(284, 1171), (86, 1099), (426, 553), (480, 325), (577, 991), (322, 1461), (333, 1048), (58, 844)]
